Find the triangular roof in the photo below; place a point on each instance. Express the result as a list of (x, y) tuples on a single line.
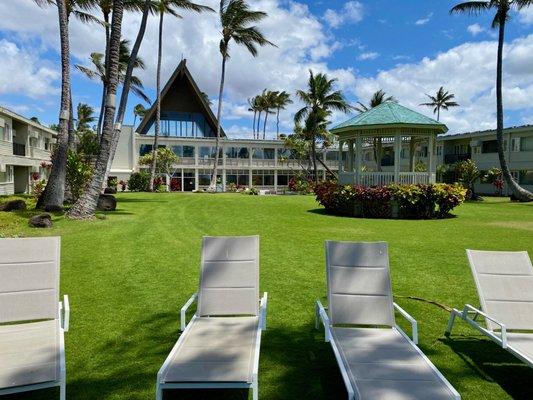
[(182, 72), (389, 114)]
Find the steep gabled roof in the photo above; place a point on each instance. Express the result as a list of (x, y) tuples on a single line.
[(390, 114), (182, 72)]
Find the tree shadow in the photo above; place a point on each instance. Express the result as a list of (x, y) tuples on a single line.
[(137, 200), (492, 363)]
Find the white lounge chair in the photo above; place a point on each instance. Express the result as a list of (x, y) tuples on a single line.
[(376, 358), (504, 282), (219, 348), (32, 354)]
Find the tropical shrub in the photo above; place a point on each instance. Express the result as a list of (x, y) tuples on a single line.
[(139, 181), (300, 183), (251, 191), (393, 201), (79, 173), (495, 178), (123, 184), (232, 187), (467, 173)]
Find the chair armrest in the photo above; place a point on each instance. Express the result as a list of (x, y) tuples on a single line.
[(64, 309), (322, 316), (184, 311), (471, 309), (263, 304), (412, 321)]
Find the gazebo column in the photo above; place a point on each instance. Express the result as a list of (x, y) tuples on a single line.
[(341, 164), (358, 158), (397, 156), (350, 155), (431, 159)]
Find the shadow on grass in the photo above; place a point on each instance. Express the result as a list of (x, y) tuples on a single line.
[(125, 199), (492, 363), (322, 211)]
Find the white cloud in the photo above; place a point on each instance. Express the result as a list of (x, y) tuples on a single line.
[(351, 12), (526, 16), (302, 39), (468, 71), (475, 29), (22, 73), (424, 21), (369, 55)]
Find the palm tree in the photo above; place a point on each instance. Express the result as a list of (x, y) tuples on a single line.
[(282, 101), (442, 100), (85, 117), (235, 18), (205, 97), (261, 106), (99, 72), (165, 7), (320, 100), (377, 99), (86, 203), (54, 192), (138, 111), (253, 106), (502, 9), (269, 99)]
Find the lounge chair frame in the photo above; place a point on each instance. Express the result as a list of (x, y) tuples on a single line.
[(322, 317), (64, 320), (469, 314), (254, 384)]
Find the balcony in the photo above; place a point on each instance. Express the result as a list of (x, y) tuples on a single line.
[(386, 178), (453, 158), (19, 149)]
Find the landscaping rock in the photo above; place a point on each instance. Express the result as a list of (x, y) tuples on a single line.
[(54, 209), (110, 190), (40, 221), (106, 202), (13, 205)]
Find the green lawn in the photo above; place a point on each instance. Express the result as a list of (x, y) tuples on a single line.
[(128, 275)]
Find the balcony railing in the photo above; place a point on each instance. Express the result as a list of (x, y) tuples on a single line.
[(19, 149), (453, 158), (386, 178)]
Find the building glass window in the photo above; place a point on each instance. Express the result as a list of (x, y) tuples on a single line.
[(262, 178), (209, 152), (526, 144), (183, 151), (489, 146), (145, 149), (3, 133), (263, 154), (237, 152), (181, 124), (238, 177), (284, 177), (526, 177), (7, 177), (332, 156), (204, 177)]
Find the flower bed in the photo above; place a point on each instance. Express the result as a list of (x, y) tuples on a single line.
[(392, 201)]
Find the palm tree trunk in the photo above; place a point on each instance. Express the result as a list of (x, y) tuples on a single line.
[(126, 86), (258, 125), (520, 193), (104, 81), (379, 153), (255, 115), (86, 204), (313, 151), (54, 193), (265, 124), (158, 105), (438, 113), (213, 183), (277, 124)]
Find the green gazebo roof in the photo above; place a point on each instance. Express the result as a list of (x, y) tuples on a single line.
[(389, 114)]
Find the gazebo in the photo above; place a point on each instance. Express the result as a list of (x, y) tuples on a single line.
[(392, 126)]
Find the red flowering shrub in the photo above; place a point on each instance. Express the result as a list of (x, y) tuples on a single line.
[(393, 201)]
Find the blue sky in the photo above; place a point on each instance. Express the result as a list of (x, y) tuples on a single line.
[(407, 48)]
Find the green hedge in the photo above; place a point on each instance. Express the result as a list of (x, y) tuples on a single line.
[(392, 201)]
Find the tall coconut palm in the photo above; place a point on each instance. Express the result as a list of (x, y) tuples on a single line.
[(442, 100), (54, 193), (253, 106), (138, 111), (261, 106), (166, 7), (502, 9), (98, 72), (236, 18), (86, 203), (270, 99), (282, 101), (320, 100), (377, 99), (85, 117)]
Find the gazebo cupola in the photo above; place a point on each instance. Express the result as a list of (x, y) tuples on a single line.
[(393, 128)]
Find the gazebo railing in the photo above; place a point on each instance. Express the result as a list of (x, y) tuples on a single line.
[(386, 178)]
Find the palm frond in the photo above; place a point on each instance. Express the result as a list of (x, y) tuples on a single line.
[(87, 18), (472, 7)]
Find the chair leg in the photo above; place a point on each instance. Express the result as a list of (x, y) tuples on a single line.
[(451, 321), (63, 390)]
